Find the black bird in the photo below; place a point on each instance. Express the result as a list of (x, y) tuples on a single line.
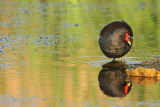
[(116, 39), (112, 80)]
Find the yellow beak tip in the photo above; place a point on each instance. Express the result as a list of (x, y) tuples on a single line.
[(128, 84), (129, 43)]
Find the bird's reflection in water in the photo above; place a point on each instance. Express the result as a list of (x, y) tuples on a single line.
[(112, 80)]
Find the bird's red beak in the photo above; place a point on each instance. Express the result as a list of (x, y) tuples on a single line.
[(127, 39), (126, 88)]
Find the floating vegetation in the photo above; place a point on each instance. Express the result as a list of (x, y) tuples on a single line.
[(147, 72), (145, 69), (143, 72)]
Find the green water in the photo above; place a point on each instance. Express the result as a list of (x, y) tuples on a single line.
[(50, 57)]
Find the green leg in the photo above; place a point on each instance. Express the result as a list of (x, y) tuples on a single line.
[(114, 60), (120, 59)]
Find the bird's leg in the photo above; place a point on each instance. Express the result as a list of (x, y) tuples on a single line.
[(120, 59), (113, 60)]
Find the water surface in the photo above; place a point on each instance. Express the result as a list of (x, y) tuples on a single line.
[(50, 55)]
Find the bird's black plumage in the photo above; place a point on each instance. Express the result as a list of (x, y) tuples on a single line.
[(112, 39)]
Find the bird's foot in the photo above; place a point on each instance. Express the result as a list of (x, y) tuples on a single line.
[(114, 60), (120, 60)]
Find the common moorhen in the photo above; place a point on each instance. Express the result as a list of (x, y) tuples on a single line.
[(112, 81), (116, 39)]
